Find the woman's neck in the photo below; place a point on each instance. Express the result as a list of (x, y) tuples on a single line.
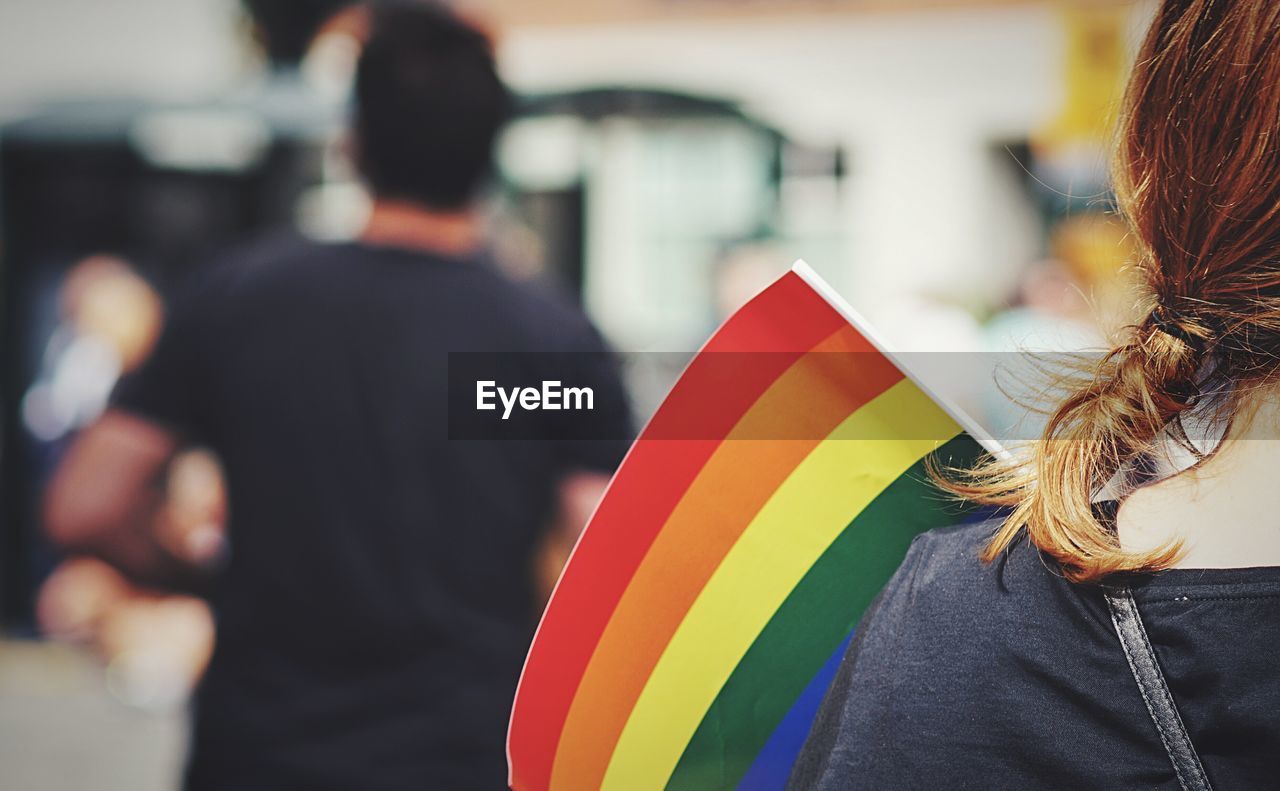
[(1226, 510)]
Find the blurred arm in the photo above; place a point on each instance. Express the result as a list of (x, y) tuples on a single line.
[(107, 500)]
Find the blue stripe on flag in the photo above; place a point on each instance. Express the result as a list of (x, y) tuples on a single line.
[(772, 767)]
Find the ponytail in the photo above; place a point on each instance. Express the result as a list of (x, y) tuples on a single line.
[(1197, 175)]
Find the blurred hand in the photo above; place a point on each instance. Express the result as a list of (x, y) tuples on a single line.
[(192, 522), (580, 493)]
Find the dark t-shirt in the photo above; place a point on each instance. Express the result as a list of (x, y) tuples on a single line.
[(966, 676), (377, 603)]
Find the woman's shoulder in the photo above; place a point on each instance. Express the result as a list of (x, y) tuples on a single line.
[(950, 612), (944, 570), (961, 663)]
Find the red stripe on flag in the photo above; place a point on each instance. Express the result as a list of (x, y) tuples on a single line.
[(730, 490), (777, 327)]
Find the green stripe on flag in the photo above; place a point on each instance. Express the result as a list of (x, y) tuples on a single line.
[(820, 612)]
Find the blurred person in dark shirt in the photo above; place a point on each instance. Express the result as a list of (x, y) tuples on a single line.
[(376, 601)]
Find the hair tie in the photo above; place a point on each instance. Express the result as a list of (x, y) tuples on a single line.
[(1170, 323)]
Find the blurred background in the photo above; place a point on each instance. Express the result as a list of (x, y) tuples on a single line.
[(940, 162)]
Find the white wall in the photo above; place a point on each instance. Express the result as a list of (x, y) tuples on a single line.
[(917, 98), (85, 48)]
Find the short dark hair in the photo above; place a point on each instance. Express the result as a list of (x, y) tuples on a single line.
[(429, 105)]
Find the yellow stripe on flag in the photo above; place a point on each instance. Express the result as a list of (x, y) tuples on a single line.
[(727, 494), (811, 508)]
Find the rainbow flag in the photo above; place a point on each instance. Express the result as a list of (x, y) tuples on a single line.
[(707, 605)]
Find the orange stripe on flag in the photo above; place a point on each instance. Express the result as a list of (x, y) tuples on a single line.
[(805, 515), (758, 344), (800, 409)]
